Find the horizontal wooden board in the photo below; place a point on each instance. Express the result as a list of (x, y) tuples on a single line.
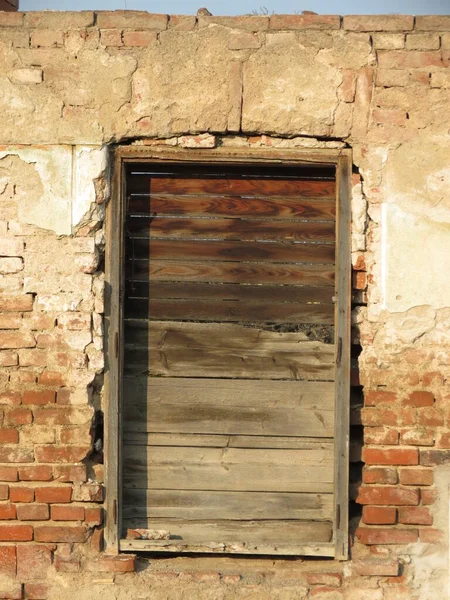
[(271, 252), (231, 469), (193, 504), (232, 186), (229, 272), (238, 408), (218, 206), (206, 310), (174, 349), (232, 229), (230, 291), (325, 549)]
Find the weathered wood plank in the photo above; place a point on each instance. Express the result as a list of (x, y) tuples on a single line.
[(188, 504), (229, 272), (232, 229), (218, 206), (142, 438), (230, 469), (229, 291), (230, 185), (179, 546), (206, 310), (230, 251), (222, 350)]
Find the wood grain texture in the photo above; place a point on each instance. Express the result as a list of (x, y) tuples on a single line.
[(232, 407), (230, 469), (223, 350), (188, 504), (229, 272), (271, 252), (247, 229), (219, 206), (232, 186)]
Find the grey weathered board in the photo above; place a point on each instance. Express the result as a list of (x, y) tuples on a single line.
[(228, 419)]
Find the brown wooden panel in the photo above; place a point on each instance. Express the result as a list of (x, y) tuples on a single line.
[(271, 252), (201, 206), (205, 310), (193, 504), (232, 186), (174, 349), (228, 272), (230, 469), (259, 409), (232, 229)]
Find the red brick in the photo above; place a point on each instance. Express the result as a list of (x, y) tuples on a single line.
[(359, 280), (76, 435), (70, 473), (36, 591), (33, 512), (8, 561), (10, 321), (16, 533), (39, 397), (94, 516), (33, 561), (51, 378), (431, 536), (63, 454), (379, 515), (433, 23), (376, 417), (139, 38), (390, 116), (388, 496), (20, 303), (330, 579), (4, 491), (121, 19), (54, 533), (7, 512), (376, 398), (66, 565), (370, 567), (422, 436), (419, 399), (415, 515), (46, 38), (11, 591), (432, 458), (33, 358), (378, 22), (54, 494), (428, 496), (380, 435), (97, 542), (416, 476), (324, 592), (9, 436), (21, 494), (8, 474), (88, 492), (19, 416), (391, 456), (9, 359), (371, 536), (15, 454), (16, 339), (39, 321), (432, 377), (380, 475), (432, 417), (67, 513), (114, 564), (10, 398), (63, 396), (409, 60), (111, 37), (307, 21), (35, 473)]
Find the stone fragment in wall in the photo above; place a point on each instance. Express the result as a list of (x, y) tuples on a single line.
[(148, 534), (204, 140), (359, 218), (91, 181)]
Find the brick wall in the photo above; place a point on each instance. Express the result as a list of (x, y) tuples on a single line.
[(75, 84)]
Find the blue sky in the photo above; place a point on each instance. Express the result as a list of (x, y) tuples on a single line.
[(238, 7)]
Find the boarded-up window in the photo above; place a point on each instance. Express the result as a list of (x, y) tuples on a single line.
[(230, 351)]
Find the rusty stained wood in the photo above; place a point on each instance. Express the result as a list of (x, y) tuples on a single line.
[(233, 407), (223, 350), (228, 469), (271, 252), (237, 506), (243, 229)]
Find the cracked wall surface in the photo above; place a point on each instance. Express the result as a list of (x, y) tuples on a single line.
[(74, 85)]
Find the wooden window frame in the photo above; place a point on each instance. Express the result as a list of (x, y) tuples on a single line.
[(114, 296)]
